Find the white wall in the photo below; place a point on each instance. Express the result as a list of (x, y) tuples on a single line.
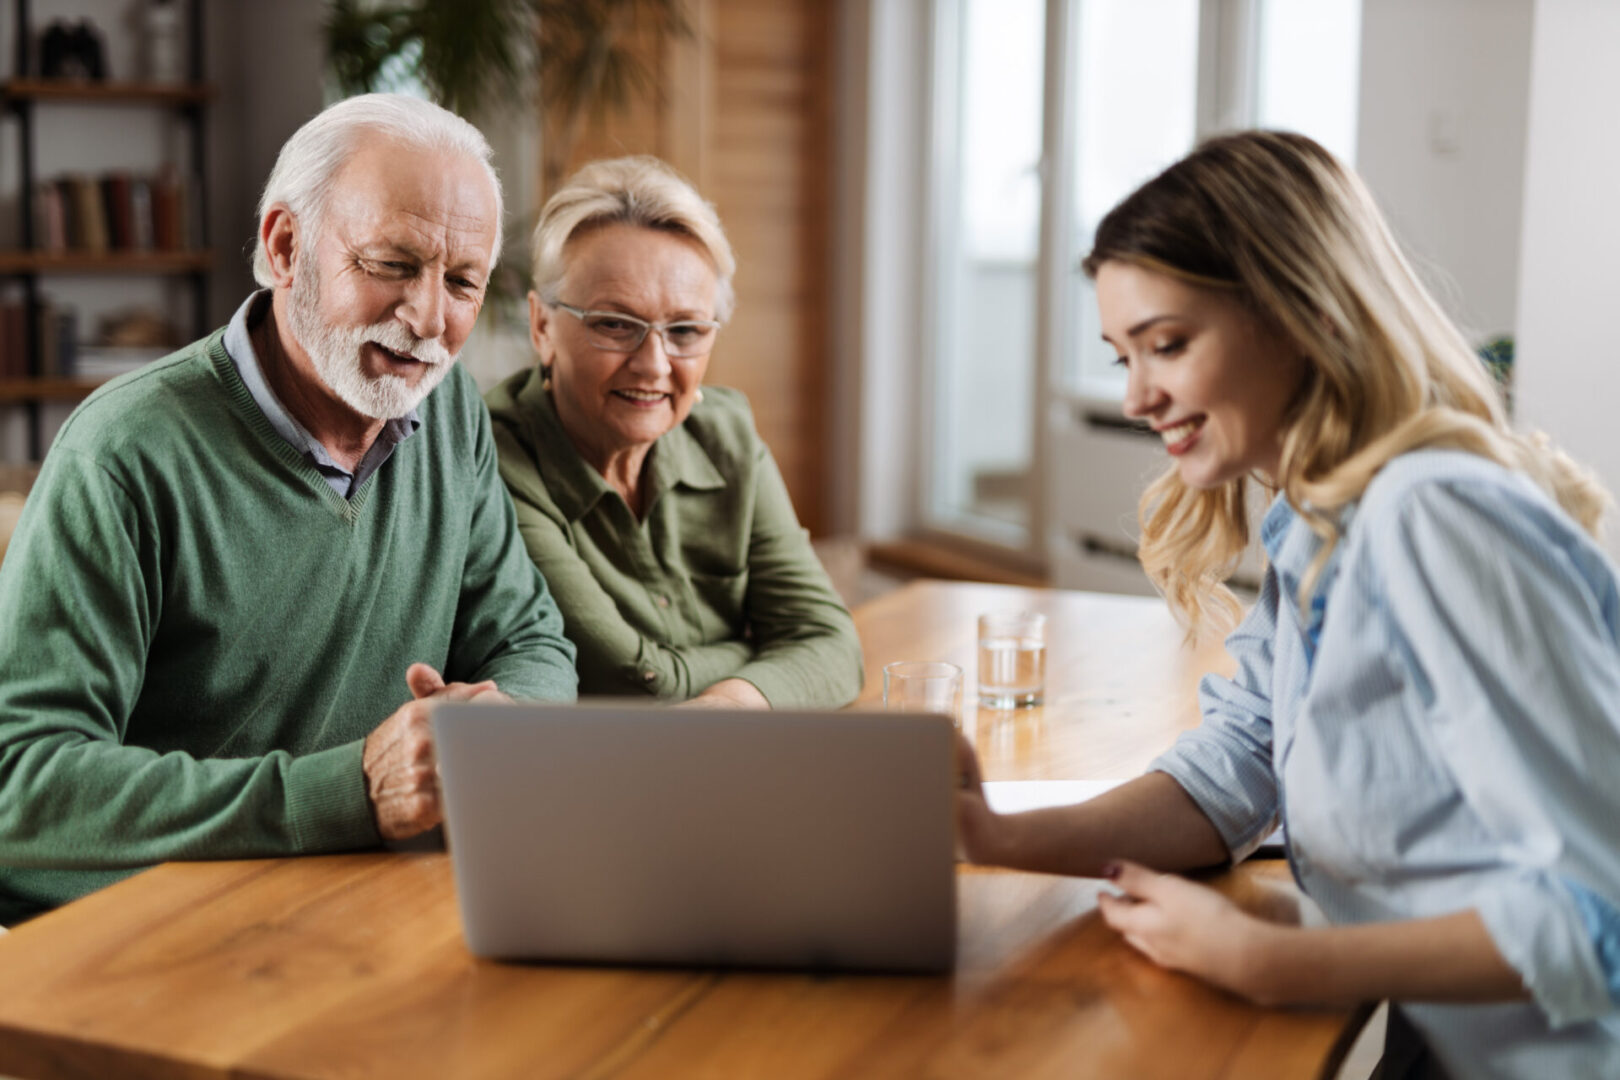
[(272, 70), (500, 344), (877, 289), (1441, 142), (1568, 357)]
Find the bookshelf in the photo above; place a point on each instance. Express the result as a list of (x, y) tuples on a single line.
[(174, 246), (45, 388), (111, 262), (88, 93)]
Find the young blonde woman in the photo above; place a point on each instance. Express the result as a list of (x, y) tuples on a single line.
[(1428, 688)]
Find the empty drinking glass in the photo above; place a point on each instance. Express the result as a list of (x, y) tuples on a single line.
[(930, 686)]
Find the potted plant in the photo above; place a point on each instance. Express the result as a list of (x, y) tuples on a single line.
[(476, 56)]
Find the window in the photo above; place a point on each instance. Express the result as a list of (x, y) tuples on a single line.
[(1126, 128), (989, 236), (1308, 73), (1042, 115)]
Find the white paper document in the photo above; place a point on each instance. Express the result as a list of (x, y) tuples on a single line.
[(1016, 796)]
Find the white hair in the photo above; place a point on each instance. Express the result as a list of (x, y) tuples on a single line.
[(310, 160), (640, 191)]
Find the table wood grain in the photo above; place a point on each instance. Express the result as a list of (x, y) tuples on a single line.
[(353, 966), (1121, 679)]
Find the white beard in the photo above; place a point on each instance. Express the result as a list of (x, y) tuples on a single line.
[(335, 352)]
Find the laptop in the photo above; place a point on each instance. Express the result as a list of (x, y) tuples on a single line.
[(634, 833)]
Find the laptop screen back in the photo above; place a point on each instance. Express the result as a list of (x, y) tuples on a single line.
[(639, 834)]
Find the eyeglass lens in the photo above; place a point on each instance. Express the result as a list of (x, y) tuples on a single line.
[(623, 333)]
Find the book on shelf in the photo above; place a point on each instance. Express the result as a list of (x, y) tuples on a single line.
[(115, 197), (90, 213), (140, 213), (13, 340), (62, 343), (172, 228), (117, 211), (50, 218), (58, 330)]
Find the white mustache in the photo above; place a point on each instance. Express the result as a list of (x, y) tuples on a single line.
[(396, 337)]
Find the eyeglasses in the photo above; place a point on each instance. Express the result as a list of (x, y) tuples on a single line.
[(615, 331)]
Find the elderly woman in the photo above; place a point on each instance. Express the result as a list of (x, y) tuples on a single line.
[(1427, 690), (648, 501)]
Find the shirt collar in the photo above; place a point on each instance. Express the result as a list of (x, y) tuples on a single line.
[(677, 459), (239, 347), (1275, 526), (1292, 547)]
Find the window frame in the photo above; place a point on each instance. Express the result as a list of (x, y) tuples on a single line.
[(1225, 81)]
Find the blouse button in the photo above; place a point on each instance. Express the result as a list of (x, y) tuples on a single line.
[(648, 676), (663, 601)]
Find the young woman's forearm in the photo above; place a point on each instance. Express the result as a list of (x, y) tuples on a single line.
[(1150, 820), (1448, 958)]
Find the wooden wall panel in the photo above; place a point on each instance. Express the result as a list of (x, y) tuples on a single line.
[(744, 110), (638, 129), (770, 176)]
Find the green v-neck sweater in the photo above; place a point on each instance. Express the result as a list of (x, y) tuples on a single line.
[(197, 632)]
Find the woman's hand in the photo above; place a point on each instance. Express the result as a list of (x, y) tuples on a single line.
[(1192, 928), (1189, 927), (728, 694)]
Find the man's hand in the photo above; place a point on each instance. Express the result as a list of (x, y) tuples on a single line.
[(401, 768), (425, 682), (1189, 927)]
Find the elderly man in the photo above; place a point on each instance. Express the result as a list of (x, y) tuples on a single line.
[(248, 568)]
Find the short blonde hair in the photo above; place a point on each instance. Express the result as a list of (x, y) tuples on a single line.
[(1284, 228), (641, 191)]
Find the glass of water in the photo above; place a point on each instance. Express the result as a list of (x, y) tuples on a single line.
[(1012, 659), (928, 686)]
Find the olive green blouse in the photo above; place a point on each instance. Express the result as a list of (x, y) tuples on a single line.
[(717, 581)]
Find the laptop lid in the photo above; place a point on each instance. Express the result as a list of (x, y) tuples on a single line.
[(635, 833)]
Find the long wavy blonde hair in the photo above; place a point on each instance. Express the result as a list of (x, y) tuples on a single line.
[(1281, 225)]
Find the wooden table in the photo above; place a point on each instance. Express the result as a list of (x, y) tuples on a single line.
[(353, 966)]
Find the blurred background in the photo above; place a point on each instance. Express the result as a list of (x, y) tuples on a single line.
[(909, 184)]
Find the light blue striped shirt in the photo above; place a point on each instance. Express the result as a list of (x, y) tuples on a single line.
[(1441, 731)]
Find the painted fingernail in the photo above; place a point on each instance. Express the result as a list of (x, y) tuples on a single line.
[(1110, 870)]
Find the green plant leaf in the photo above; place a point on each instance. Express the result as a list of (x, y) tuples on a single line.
[(360, 41)]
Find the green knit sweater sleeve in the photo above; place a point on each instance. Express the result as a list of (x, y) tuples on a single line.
[(81, 592), (508, 627)]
